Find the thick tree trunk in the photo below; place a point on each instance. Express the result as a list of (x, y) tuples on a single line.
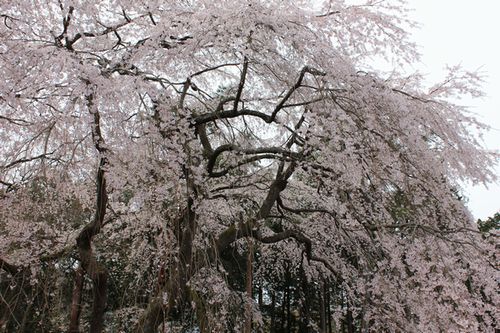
[(328, 309), (153, 316), (178, 293), (248, 310), (95, 270), (273, 313), (283, 311), (322, 310), (350, 322), (76, 302), (27, 312), (288, 304), (100, 297), (176, 286), (305, 309)]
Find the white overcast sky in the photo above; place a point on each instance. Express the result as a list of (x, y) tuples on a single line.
[(466, 32)]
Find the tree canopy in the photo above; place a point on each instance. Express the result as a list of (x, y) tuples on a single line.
[(234, 166)]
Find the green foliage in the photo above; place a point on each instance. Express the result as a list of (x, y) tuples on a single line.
[(492, 223)]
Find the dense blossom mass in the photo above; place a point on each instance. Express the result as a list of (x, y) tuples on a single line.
[(234, 166)]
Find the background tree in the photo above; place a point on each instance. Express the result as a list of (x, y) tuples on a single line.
[(182, 164), (490, 224)]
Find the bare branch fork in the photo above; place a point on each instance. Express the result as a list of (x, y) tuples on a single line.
[(297, 85)]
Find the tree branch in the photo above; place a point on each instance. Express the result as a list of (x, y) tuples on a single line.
[(218, 114), (263, 150), (240, 85), (24, 160), (243, 162), (297, 84)]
